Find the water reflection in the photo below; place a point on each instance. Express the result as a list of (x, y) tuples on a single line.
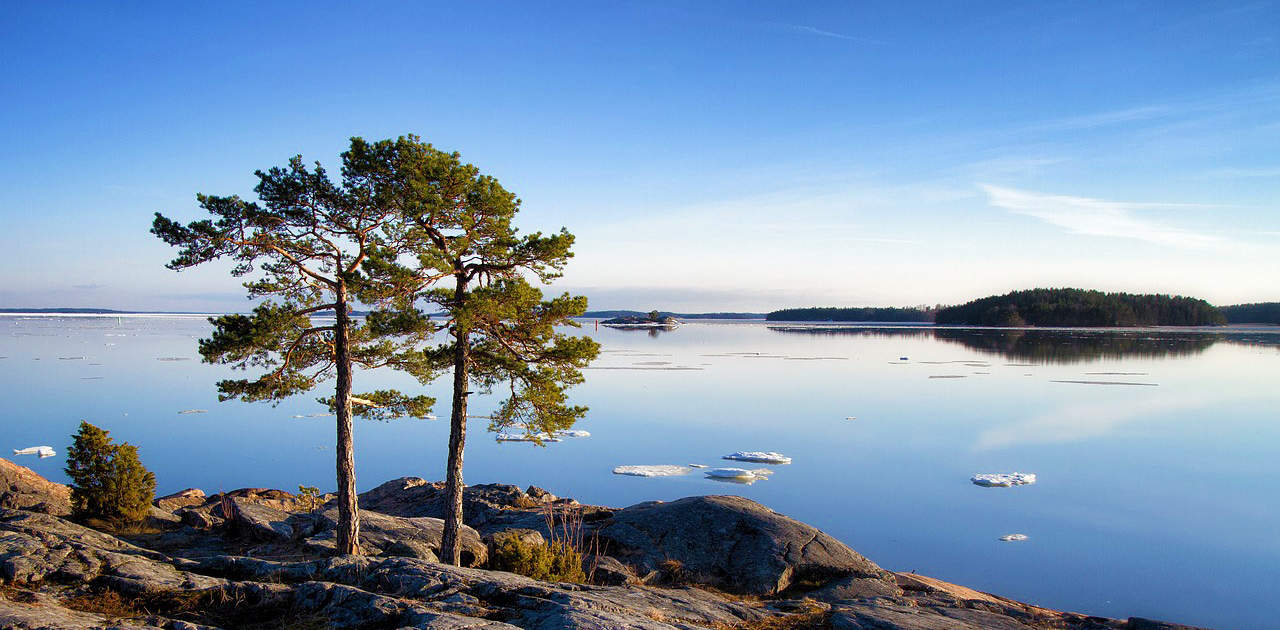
[(653, 331), (1058, 345)]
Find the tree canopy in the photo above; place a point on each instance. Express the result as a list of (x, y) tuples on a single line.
[(852, 314), (472, 264), (1260, 313), (303, 247), (1079, 307)]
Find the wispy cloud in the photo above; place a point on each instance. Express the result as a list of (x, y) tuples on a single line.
[(1098, 217), (810, 30), (1244, 173)]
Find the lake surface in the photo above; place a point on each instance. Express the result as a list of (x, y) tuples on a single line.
[(1156, 497)]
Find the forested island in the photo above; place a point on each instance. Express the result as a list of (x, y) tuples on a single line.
[(853, 314), (1261, 313), (1080, 307)]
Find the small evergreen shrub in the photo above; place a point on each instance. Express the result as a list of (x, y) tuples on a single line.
[(554, 562), (107, 480)]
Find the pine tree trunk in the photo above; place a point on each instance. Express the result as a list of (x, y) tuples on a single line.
[(451, 541), (348, 542)]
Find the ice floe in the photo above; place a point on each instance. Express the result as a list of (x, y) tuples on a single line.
[(1013, 537), (191, 411), (1107, 383), (1003, 480), (42, 451), (526, 437), (554, 436), (656, 470), (741, 475), (761, 457)]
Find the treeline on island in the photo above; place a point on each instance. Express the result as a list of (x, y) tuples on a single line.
[(855, 314), (1079, 307), (1261, 313)]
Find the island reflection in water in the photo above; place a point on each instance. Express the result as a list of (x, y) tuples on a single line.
[(1057, 345)]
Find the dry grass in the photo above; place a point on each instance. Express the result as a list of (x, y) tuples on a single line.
[(17, 592), (208, 607), (564, 523), (107, 603), (810, 617)]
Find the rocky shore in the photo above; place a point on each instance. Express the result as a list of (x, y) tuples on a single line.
[(262, 558)]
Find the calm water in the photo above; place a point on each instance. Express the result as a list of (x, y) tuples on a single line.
[(1154, 499)]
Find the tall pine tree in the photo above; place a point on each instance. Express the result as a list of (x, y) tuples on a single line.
[(474, 266), (303, 245)]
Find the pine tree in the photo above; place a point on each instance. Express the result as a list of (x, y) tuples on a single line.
[(108, 481), (473, 265), (308, 239)]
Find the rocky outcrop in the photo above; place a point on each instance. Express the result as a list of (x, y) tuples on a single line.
[(180, 499), (488, 508), (732, 543), (23, 489), (60, 575), (52, 560), (383, 535)]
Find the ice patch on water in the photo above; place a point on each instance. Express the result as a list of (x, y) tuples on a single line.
[(1003, 480), (572, 433), (762, 457), (191, 411), (740, 475), (526, 437), (1013, 537), (42, 451), (656, 470)]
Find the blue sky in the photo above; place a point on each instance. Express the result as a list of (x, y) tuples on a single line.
[(709, 156)]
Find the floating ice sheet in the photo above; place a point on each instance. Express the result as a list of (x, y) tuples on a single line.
[(1108, 383), (655, 470), (572, 433), (1013, 537), (741, 475), (1003, 480), (42, 451), (762, 457), (191, 411), (526, 437)]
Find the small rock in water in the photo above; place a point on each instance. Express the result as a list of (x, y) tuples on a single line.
[(1003, 480), (655, 470), (763, 457), (1013, 537)]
